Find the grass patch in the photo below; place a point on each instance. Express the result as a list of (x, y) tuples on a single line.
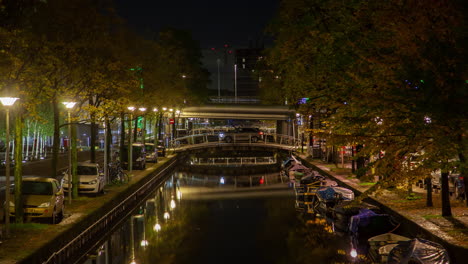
[(427, 217), (366, 183), (413, 197), (401, 201), (29, 226)]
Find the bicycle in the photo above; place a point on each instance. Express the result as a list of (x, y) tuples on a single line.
[(117, 174)]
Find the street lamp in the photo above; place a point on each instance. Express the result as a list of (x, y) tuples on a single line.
[(130, 148), (69, 106), (155, 110), (143, 129), (7, 102), (160, 121), (173, 123)]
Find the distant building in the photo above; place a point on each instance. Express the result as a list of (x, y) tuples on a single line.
[(233, 73), (247, 79)]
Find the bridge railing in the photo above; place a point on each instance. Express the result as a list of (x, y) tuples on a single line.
[(214, 138)]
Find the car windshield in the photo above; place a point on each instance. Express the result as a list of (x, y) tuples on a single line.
[(38, 188), (86, 170)]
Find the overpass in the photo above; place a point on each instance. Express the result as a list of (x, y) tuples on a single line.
[(233, 111)]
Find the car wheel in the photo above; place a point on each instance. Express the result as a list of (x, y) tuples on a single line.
[(254, 139), (228, 139)]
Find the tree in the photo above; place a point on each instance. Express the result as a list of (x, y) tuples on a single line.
[(390, 74)]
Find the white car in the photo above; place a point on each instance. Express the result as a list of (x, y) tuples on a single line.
[(91, 179)]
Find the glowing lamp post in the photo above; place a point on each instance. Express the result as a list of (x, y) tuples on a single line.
[(7, 102), (143, 128), (130, 148), (69, 106)]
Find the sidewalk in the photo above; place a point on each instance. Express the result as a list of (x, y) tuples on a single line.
[(453, 230), (36, 235)]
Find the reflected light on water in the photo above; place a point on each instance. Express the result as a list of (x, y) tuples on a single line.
[(144, 243), (157, 227)]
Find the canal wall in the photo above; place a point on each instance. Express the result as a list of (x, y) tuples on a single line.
[(87, 232), (407, 226)]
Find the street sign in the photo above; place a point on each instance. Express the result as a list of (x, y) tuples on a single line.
[(171, 121)]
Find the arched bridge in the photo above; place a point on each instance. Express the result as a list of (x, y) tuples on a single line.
[(269, 141)]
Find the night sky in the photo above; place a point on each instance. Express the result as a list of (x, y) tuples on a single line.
[(213, 23)]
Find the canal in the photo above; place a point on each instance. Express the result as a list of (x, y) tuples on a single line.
[(194, 218)]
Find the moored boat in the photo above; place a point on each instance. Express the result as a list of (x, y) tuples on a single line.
[(420, 251), (381, 245)]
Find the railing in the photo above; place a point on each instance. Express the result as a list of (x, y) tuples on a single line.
[(233, 161), (79, 245), (214, 138)]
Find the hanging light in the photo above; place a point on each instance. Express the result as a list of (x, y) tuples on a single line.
[(167, 215), (173, 204)]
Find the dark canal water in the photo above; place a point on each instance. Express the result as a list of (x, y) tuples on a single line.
[(207, 219)]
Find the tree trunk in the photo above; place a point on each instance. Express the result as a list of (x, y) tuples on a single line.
[(428, 182), (143, 131), (18, 169), (135, 129), (446, 210), (92, 144), (159, 125), (75, 179), (27, 142), (463, 173), (122, 136), (56, 139), (109, 139)]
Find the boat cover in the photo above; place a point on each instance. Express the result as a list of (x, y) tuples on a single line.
[(298, 167), (420, 251), (362, 219), (311, 179), (330, 193)]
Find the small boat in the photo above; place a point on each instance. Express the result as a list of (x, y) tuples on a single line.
[(368, 223), (329, 197), (418, 250), (342, 213), (381, 245)]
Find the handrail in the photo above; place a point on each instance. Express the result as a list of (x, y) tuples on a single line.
[(210, 138)]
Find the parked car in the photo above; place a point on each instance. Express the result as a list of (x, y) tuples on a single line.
[(151, 152), (42, 199), (250, 134), (91, 178), (161, 149), (138, 156)]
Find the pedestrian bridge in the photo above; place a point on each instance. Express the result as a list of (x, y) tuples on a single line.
[(200, 142), (262, 112)]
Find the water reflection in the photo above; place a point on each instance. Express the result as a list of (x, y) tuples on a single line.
[(216, 219)]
